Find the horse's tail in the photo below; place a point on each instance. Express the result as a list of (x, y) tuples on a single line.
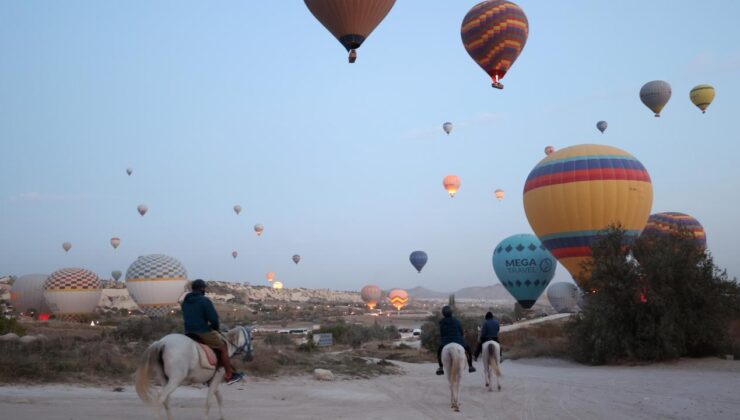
[(454, 364), (151, 361), (493, 358)]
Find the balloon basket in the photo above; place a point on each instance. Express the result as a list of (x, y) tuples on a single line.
[(497, 85), (352, 56)]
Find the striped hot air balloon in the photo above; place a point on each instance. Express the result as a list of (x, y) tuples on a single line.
[(494, 33), (577, 192), (371, 295), (72, 293), (398, 298), (156, 282), (674, 223)]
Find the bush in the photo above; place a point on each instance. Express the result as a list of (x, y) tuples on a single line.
[(356, 335), (11, 326), (668, 301), (430, 331), (275, 339), (147, 330)]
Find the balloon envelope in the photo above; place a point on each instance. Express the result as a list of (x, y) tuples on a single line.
[(549, 150), (418, 259), (451, 183), (258, 229), (577, 192), (234, 254), (142, 209), (277, 285), (398, 298), (129, 171), (270, 276), (66, 246), (156, 282), (371, 295), (524, 266), (702, 96), (447, 127), (114, 242), (494, 33), (499, 194), (674, 223), (116, 274), (28, 293), (601, 126), (655, 95), (72, 292), (237, 209), (350, 21), (563, 296), (296, 258)]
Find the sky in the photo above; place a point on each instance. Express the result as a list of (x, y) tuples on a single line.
[(214, 104)]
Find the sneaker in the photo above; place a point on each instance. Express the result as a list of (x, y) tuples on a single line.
[(235, 377), (440, 371), (471, 369)]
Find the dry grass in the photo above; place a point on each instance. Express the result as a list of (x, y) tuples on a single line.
[(540, 340)]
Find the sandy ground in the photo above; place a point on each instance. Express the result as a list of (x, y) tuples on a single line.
[(532, 389)]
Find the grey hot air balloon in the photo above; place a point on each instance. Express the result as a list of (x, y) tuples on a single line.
[(116, 274), (129, 171), (447, 127), (655, 95), (601, 125), (563, 296), (237, 209), (142, 208), (28, 293), (67, 246), (296, 258)]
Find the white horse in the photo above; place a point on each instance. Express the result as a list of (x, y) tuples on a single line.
[(491, 362), (174, 361), (454, 362)]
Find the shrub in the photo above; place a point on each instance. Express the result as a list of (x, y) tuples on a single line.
[(275, 339), (146, 330), (11, 326), (356, 335)]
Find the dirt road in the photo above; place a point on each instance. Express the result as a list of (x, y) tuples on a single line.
[(532, 389)]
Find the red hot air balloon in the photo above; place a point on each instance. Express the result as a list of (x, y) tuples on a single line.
[(234, 254), (494, 33)]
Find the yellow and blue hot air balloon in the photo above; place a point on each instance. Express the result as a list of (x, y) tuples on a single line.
[(524, 266), (577, 192)]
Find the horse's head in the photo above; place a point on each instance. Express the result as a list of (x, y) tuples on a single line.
[(241, 338)]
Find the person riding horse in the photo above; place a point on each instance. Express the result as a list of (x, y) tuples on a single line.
[(450, 331), (201, 320), (488, 332)]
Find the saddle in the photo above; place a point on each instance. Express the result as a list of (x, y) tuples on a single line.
[(206, 355)]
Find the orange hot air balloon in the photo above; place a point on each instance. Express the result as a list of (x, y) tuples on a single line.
[(499, 193), (371, 295), (577, 192), (398, 298), (270, 276), (451, 184), (350, 21)]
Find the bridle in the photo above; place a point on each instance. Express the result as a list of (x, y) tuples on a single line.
[(245, 348)]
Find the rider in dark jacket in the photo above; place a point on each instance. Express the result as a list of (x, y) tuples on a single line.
[(201, 320), (450, 331), (488, 332)]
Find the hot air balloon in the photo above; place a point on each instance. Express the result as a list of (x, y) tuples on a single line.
[(129, 171), (524, 267), (398, 298), (499, 194), (142, 209), (371, 295), (601, 126), (156, 282), (350, 21), (447, 127), (114, 242), (296, 258), (702, 96), (116, 274), (655, 95), (418, 259), (563, 296), (66, 246), (28, 293), (451, 184), (549, 150), (234, 254), (576, 192), (237, 209), (277, 285), (258, 228), (494, 33), (674, 223), (72, 293), (270, 276)]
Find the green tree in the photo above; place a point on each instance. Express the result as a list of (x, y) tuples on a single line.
[(660, 299)]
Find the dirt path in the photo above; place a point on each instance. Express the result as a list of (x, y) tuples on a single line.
[(532, 389)]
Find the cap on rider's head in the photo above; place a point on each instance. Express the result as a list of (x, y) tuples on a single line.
[(446, 311), (198, 285), (489, 315)]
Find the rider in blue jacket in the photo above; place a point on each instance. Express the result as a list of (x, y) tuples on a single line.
[(450, 331), (488, 332)]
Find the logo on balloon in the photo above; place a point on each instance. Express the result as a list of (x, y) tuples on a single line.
[(546, 265)]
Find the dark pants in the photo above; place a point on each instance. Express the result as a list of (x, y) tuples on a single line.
[(467, 354), (479, 347)]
